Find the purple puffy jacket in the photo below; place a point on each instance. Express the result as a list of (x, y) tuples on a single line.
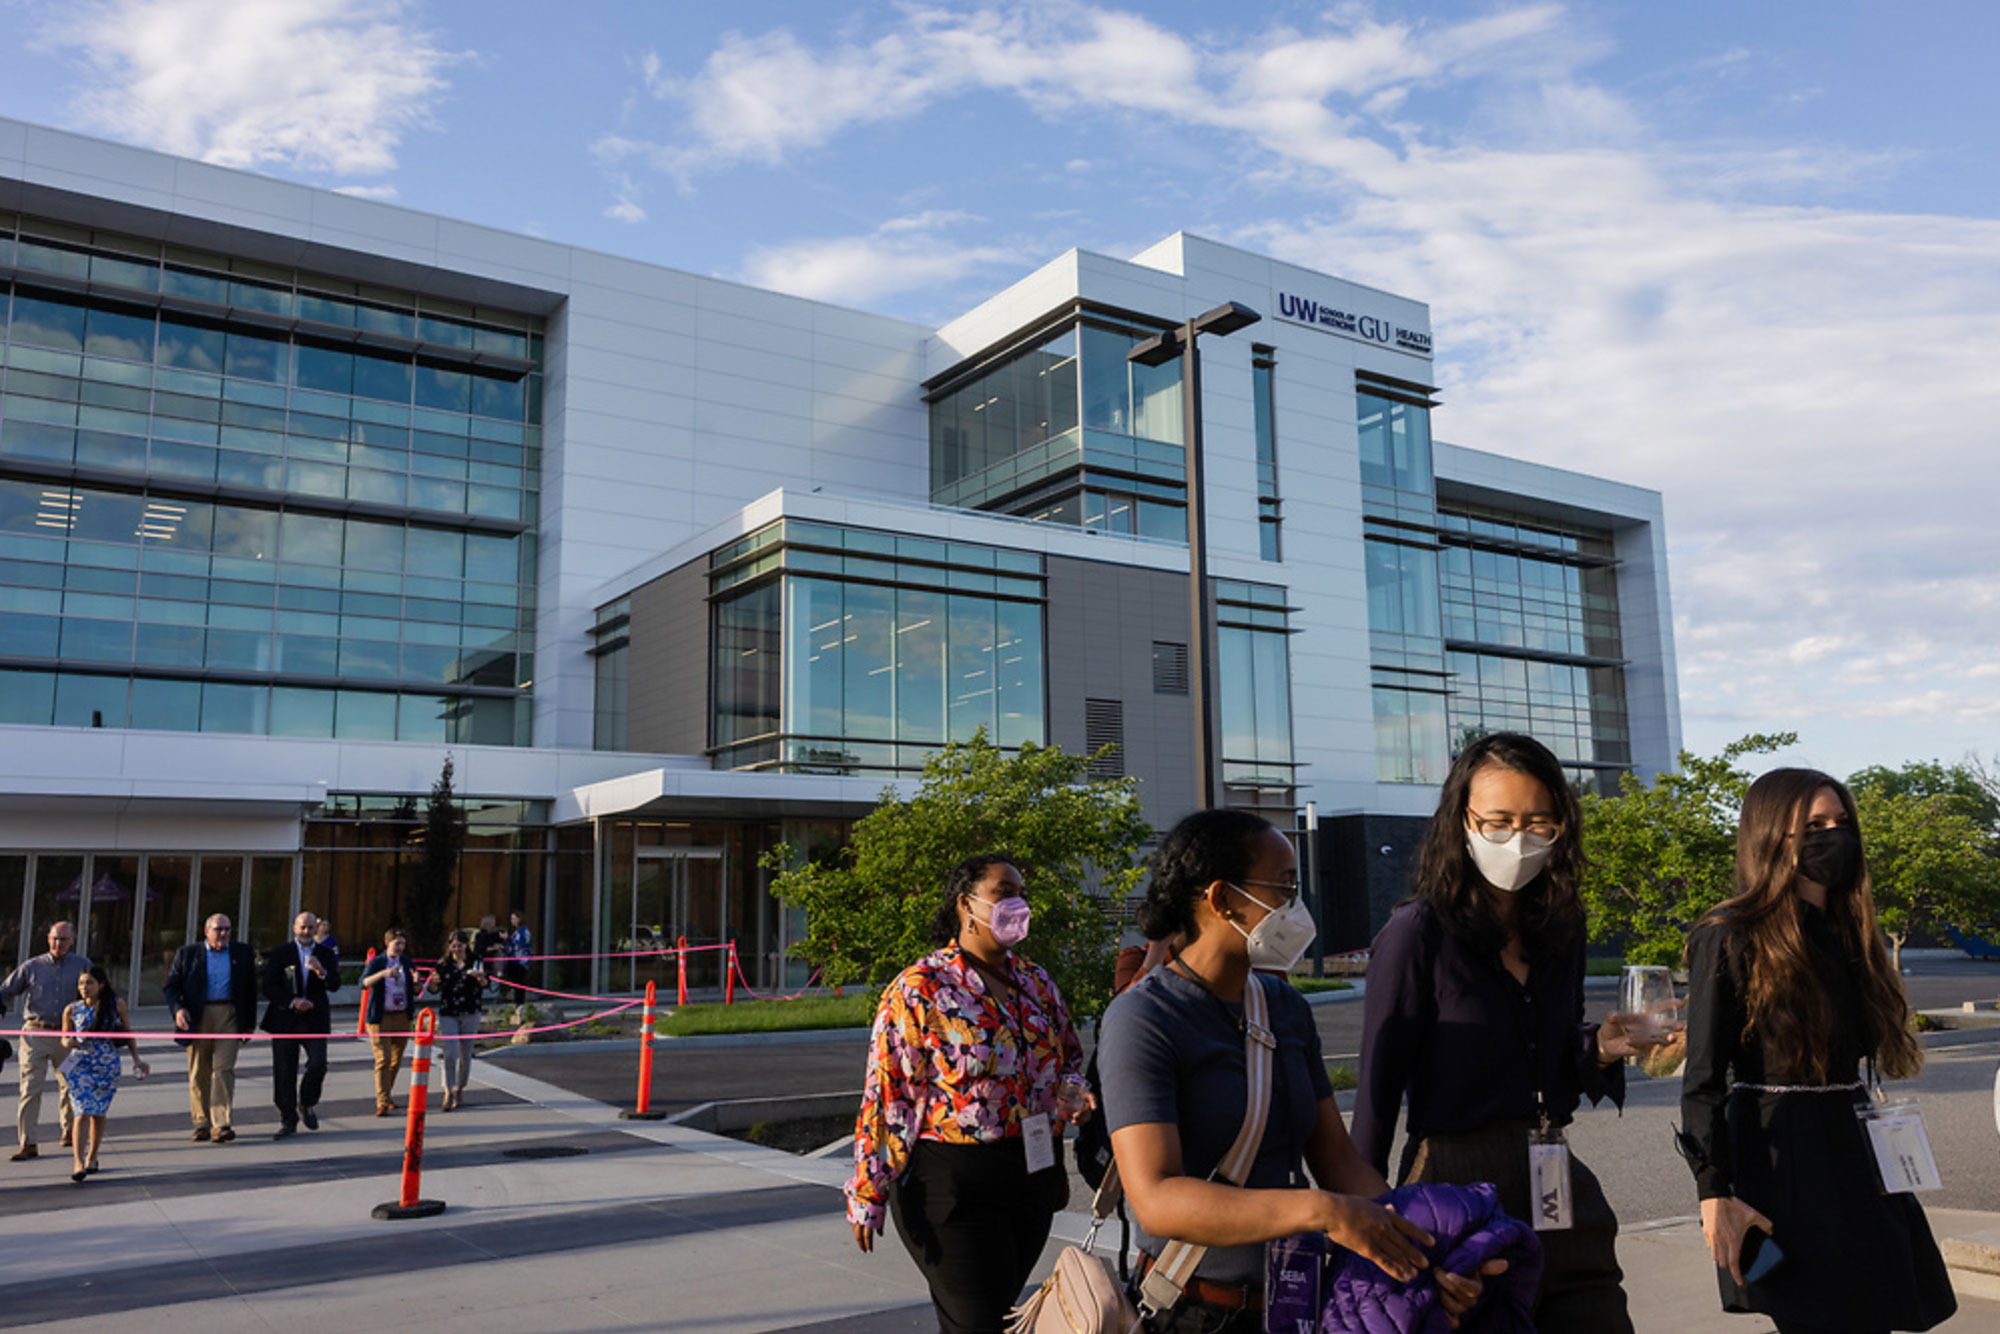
[(1469, 1228)]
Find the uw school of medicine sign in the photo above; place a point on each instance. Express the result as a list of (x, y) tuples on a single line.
[(1368, 328)]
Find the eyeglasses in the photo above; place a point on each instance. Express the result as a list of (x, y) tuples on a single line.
[(1290, 888), (1499, 828)]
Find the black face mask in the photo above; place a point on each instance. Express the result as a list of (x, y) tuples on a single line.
[(1830, 857)]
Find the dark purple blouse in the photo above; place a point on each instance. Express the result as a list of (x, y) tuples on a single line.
[(1467, 1044)]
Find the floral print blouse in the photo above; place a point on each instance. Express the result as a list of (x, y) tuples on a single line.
[(951, 1062)]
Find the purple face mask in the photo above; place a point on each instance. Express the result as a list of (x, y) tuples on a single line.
[(1007, 920)]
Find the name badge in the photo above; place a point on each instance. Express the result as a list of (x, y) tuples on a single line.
[(1902, 1147), (1039, 1143), (1551, 1201), (1292, 1270)]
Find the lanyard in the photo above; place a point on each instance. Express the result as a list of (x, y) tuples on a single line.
[(1016, 1020)]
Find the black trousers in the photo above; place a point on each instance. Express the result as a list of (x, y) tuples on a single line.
[(294, 1092), (975, 1222), (1582, 1288)]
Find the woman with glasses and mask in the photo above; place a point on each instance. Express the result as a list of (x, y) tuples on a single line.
[(973, 1071), (1790, 989), (1474, 1013), (1224, 887)]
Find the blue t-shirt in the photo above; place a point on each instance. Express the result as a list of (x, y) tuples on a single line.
[(1168, 1051)]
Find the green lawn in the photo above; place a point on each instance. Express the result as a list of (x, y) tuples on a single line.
[(1602, 967), (1342, 1074), (854, 1010)]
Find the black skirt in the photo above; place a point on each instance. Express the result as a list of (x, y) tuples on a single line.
[(1582, 1289), (1855, 1258)]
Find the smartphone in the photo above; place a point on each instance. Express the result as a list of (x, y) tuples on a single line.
[(1758, 1256)]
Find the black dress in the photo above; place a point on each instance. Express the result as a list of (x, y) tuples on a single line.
[(1856, 1259)]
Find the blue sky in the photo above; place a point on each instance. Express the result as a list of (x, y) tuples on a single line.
[(1748, 255)]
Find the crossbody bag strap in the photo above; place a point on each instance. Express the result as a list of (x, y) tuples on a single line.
[(1169, 1276)]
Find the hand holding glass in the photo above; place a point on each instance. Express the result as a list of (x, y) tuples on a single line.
[(1646, 996), (1074, 1102)]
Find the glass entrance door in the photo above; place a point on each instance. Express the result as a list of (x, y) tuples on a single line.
[(676, 892)]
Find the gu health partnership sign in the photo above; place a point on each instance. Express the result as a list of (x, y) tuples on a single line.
[(1375, 329)]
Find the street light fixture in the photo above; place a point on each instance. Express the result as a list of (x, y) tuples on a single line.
[(1161, 348)]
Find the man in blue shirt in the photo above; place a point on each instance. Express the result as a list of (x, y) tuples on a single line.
[(212, 988)]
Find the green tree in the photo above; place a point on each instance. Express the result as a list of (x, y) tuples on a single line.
[(1930, 834), (1968, 786), (1075, 839), (436, 877), (1661, 854)]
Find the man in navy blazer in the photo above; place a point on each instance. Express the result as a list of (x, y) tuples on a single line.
[(212, 988), (299, 978)]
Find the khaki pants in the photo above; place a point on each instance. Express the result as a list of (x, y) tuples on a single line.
[(39, 1055), (388, 1038), (212, 1068)]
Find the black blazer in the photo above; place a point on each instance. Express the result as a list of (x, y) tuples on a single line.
[(187, 984), (282, 987)]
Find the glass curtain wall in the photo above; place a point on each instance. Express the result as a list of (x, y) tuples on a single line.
[(1067, 431), (360, 862), (872, 649), (132, 911), (316, 531), (1530, 607), (1405, 625), (1253, 681)]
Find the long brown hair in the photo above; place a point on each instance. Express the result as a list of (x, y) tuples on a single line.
[(1550, 915), (1787, 1005)]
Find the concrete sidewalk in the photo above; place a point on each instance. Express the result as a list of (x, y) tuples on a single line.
[(561, 1217)]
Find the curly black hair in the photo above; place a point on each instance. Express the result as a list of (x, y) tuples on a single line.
[(964, 878), (1203, 848)]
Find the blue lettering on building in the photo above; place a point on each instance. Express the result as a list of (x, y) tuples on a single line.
[(1372, 328)]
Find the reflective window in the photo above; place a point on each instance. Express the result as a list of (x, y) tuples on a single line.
[(1395, 443), (1018, 437), (1410, 736), (866, 666), (1253, 678), (1262, 368), (1402, 589), (748, 668)]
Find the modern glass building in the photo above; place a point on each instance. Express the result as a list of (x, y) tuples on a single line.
[(301, 495)]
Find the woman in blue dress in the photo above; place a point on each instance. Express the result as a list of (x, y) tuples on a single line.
[(94, 1078)]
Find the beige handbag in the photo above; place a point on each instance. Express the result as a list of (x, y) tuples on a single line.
[(1082, 1295)]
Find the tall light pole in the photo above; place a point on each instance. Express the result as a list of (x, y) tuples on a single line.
[(1161, 348)]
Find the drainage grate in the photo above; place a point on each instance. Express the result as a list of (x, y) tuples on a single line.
[(544, 1151)]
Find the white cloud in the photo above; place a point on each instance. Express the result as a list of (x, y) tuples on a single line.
[(314, 85), (900, 255), (366, 191), (1807, 385), (627, 207)]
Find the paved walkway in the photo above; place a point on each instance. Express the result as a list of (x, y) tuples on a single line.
[(639, 1226)]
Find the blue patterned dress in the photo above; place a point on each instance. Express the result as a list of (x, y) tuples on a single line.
[(95, 1078)]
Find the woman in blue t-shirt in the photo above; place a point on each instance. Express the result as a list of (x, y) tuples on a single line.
[(1170, 1054)]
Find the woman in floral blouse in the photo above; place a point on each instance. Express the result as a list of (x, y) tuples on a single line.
[(973, 1070), (460, 985)]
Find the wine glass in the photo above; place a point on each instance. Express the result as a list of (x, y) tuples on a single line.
[(1647, 991)]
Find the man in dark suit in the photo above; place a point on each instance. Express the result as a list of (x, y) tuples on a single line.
[(212, 988), (299, 976)]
